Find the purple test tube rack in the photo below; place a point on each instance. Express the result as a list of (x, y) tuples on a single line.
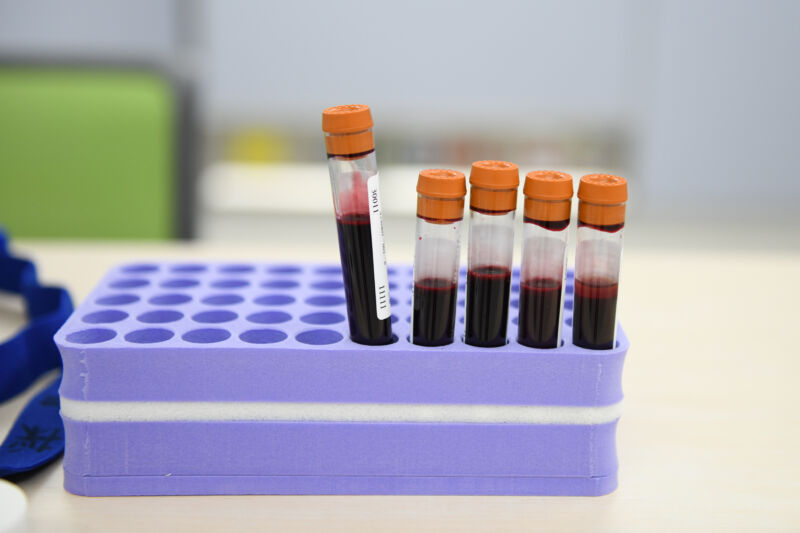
[(218, 378)]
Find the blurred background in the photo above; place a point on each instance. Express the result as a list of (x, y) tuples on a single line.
[(200, 120)]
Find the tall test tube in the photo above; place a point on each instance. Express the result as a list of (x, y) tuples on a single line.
[(548, 200), (440, 211), (493, 201), (356, 200), (601, 219)]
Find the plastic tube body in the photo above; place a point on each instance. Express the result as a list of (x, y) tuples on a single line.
[(356, 200), (491, 244), (436, 259), (542, 275), (597, 266)]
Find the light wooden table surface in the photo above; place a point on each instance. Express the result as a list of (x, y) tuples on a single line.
[(709, 439)]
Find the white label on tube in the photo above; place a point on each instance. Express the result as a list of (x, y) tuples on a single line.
[(382, 305)]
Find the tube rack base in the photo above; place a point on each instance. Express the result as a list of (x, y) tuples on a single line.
[(218, 378)]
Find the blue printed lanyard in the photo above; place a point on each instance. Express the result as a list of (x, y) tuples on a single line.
[(37, 436)]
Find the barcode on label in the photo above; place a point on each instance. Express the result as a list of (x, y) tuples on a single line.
[(382, 304)]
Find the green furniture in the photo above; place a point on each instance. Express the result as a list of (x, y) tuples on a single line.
[(89, 152)]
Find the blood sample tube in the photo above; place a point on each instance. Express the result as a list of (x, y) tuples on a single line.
[(493, 200), (601, 218), (440, 210), (548, 199), (356, 201)]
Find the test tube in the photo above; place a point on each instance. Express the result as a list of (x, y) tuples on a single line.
[(492, 203), (548, 200), (440, 210), (601, 219), (356, 201)]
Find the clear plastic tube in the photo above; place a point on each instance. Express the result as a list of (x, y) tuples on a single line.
[(356, 200), (548, 199), (493, 199), (601, 220), (440, 209)]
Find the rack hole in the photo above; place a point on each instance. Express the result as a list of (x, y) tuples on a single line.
[(269, 317), (319, 337), (215, 316), (223, 299), (91, 336), (170, 299), (322, 318), (149, 335), (108, 316), (117, 299), (230, 283), (140, 268), (263, 336), (206, 335), (274, 299), (160, 316), (325, 300), (131, 283), (180, 283), (189, 267), (280, 284)]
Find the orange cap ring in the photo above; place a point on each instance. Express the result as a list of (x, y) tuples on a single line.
[(493, 186), (603, 198), (441, 195)]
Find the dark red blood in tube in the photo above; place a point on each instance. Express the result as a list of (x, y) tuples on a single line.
[(434, 311), (488, 289), (539, 312), (594, 317), (355, 248)]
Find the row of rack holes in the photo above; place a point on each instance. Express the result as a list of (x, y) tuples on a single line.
[(196, 268), (210, 336), (222, 299), (204, 336), (165, 316), (323, 300), (214, 316), (187, 283)]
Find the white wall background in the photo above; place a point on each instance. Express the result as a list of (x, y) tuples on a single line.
[(707, 90)]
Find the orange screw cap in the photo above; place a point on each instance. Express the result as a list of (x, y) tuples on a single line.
[(441, 195), (348, 129), (603, 198), (493, 186), (548, 195)]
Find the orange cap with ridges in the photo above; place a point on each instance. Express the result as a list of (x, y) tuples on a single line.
[(603, 198), (548, 195), (441, 195), (348, 129), (493, 186)]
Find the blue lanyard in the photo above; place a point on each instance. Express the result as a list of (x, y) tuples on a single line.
[(37, 436)]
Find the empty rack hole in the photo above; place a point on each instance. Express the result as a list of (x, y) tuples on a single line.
[(107, 316), (263, 336), (160, 316)]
